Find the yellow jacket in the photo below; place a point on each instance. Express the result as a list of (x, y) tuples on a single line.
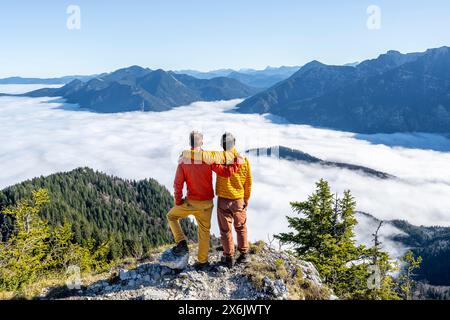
[(238, 186)]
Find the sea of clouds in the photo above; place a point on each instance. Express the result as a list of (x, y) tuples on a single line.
[(39, 137)]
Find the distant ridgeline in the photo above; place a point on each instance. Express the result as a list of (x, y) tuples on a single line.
[(297, 155), (393, 93), (140, 89), (131, 214), (250, 77), (253, 78), (61, 80)]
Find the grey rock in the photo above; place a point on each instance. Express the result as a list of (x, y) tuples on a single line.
[(276, 288), (222, 269), (124, 274), (168, 259), (156, 282), (280, 289), (156, 276), (104, 283), (223, 290), (268, 284), (315, 279), (152, 294), (165, 270)]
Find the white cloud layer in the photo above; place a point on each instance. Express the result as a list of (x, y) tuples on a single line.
[(40, 138)]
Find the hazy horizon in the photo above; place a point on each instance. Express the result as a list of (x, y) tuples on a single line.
[(213, 70)]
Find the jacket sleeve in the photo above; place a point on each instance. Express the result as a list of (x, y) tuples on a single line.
[(224, 170), (248, 182), (178, 185)]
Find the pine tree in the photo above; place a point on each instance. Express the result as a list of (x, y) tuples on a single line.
[(381, 284), (21, 255), (406, 281), (324, 235), (35, 249)]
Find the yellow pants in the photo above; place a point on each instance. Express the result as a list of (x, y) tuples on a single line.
[(202, 211)]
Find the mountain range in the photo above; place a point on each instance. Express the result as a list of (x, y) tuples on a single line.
[(60, 80), (393, 93), (251, 77), (136, 88)]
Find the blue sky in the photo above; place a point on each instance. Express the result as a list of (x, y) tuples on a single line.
[(209, 34)]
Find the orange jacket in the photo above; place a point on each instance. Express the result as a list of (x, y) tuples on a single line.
[(198, 178)]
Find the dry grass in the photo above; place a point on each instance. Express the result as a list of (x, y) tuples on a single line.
[(59, 280), (34, 289), (256, 271), (299, 288), (304, 289), (52, 281), (6, 295), (257, 247)]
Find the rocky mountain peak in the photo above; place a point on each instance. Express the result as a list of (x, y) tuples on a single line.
[(269, 274)]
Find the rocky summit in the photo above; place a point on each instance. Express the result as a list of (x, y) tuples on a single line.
[(268, 274)]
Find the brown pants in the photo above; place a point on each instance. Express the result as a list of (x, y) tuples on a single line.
[(231, 212)]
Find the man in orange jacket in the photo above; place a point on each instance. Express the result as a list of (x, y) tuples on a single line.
[(199, 201)]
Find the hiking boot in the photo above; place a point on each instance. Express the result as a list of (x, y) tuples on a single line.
[(180, 249), (227, 261), (199, 266), (243, 258)]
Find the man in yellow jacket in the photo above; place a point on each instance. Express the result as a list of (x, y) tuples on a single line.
[(233, 198)]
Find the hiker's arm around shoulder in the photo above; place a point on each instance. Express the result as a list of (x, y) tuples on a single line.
[(228, 170), (178, 185)]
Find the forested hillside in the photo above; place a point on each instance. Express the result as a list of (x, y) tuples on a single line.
[(129, 215), (433, 244)]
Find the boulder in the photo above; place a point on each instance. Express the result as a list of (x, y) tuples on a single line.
[(275, 288), (168, 259), (124, 274)]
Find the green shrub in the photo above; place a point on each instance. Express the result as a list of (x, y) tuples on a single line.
[(35, 250)]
